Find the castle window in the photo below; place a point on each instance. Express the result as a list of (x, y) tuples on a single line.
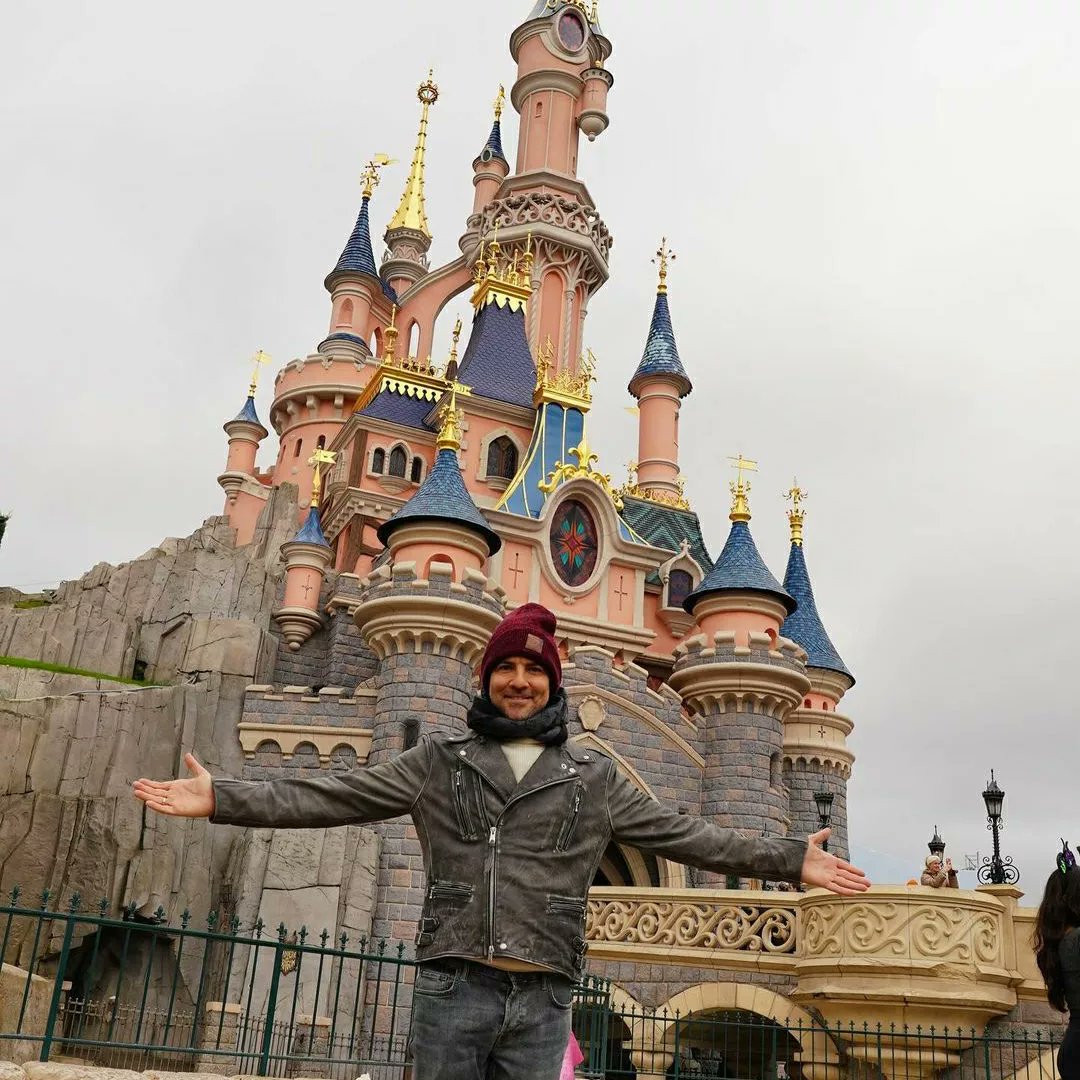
[(296, 448), (417, 470), (398, 462), (574, 542), (502, 458), (321, 444), (680, 585), (378, 461)]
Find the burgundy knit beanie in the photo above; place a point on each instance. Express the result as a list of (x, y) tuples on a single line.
[(527, 631)]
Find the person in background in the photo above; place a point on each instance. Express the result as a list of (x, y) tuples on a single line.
[(939, 876), (1057, 952)]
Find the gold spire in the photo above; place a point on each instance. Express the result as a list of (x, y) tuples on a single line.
[(796, 514), (390, 336), (319, 458), (740, 506), (371, 173), (499, 101), (258, 360), (664, 255), (410, 213), (450, 429)]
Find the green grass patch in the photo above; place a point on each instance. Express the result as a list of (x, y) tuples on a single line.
[(61, 669), (26, 605)]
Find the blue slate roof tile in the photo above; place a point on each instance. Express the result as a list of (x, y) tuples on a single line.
[(398, 408), (248, 412), (494, 142), (358, 257), (498, 363), (661, 356), (740, 568), (805, 627), (442, 497), (311, 531)]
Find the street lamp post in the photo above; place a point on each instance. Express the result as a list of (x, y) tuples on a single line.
[(995, 870), (936, 844), (824, 801)]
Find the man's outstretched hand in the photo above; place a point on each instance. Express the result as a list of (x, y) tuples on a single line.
[(191, 797), (826, 871)]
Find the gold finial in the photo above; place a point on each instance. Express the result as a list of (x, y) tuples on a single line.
[(796, 515), (505, 280), (740, 507), (258, 360), (456, 339), (664, 255), (450, 429), (499, 101), (594, 15), (371, 176), (390, 336), (410, 212), (319, 458)]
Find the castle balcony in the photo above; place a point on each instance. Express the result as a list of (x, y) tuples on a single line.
[(905, 956)]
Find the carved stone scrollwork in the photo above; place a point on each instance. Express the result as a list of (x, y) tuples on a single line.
[(539, 207), (742, 927)]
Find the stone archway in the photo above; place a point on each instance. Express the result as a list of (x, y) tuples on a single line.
[(734, 1029)]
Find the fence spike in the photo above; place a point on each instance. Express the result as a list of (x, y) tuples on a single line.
[(185, 918), (324, 936), (400, 949), (129, 911), (344, 940), (160, 914), (15, 891), (302, 936), (103, 906), (74, 903), (363, 942), (211, 920), (258, 927), (282, 932), (234, 925), (381, 947), (45, 894)]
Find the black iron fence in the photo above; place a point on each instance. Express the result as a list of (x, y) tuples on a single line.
[(138, 993)]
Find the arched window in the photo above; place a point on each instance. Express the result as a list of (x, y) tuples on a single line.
[(680, 585), (321, 443), (398, 462), (296, 448), (502, 459), (414, 339), (417, 470), (378, 461), (345, 315)]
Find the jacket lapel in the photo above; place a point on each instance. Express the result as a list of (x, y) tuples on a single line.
[(487, 758), (553, 765)]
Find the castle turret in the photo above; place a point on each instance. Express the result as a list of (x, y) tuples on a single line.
[(660, 383), (307, 557), (816, 757), (354, 283), (245, 432), (408, 236), (427, 613), (742, 679), (490, 168)]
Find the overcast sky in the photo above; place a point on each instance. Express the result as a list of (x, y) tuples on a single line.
[(876, 218)]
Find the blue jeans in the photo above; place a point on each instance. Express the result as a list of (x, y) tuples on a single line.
[(473, 1022)]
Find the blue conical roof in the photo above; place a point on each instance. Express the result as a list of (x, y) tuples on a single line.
[(498, 362), (311, 531), (805, 627), (358, 256), (442, 497), (494, 143), (248, 412), (740, 568), (661, 356)]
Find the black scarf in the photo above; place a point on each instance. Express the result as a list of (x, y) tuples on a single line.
[(548, 726)]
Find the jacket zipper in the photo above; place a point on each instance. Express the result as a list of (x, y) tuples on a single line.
[(459, 805), (493, 835), (567, 830)]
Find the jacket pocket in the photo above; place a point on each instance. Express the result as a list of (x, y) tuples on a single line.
[(450, 890), (566, 833), (566, 905), (461, 806)]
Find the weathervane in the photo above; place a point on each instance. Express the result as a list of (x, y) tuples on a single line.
[(740, 507), (796, 514), (371, 175), (664, 255), (258, 360)]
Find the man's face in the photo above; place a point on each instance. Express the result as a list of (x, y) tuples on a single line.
[(519, 687)]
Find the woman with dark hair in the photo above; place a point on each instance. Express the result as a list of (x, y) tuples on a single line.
[(1057, 952)]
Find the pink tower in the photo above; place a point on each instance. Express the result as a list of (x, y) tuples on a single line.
[(490, 168), (245, 432), (560, 92), (660, 383)]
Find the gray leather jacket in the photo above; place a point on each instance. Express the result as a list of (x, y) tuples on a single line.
[(508, 865)]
